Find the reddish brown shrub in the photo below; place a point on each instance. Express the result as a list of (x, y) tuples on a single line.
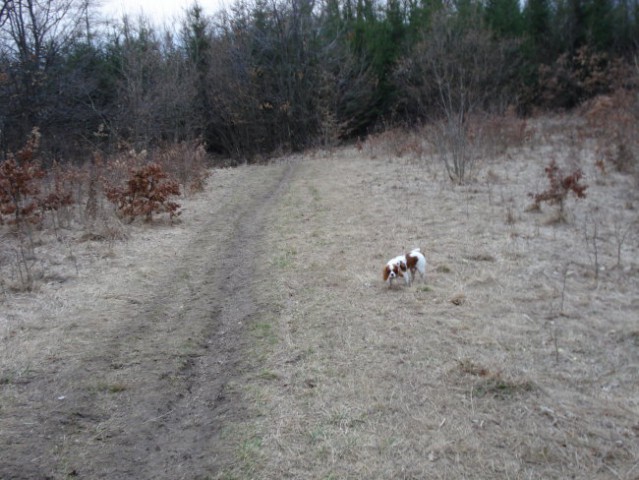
[(59, 194), (19, 184), (147, 191), (572, 79), (560, 185)]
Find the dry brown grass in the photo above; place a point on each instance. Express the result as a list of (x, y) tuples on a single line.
[(514, 359), (511, 361)]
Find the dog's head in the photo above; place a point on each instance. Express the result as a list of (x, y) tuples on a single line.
[(395, 268)]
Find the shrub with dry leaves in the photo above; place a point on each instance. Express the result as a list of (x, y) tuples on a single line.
[(561, 183), (147, 191), (20, 174)]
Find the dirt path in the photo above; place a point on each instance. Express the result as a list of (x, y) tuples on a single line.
[(141, 391)]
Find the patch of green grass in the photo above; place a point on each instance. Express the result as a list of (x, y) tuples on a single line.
[(316, 435), (480, 257), (264, 331), (249, 454), (286, 259), (443, 269), (268, 375), (315, 195), (117, 388)]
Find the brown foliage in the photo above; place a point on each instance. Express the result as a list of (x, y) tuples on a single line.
[(60, 194), (561, 183), (572, 79), (147, 191), (614, 121), (18, 184)]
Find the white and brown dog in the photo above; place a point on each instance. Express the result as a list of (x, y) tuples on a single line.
[(405, 266)]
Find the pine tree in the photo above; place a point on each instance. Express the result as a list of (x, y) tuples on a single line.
[(537, 27), (504, 17), (197, 43)]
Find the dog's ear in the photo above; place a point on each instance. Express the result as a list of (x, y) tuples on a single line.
[(386, 272), (402, 266)]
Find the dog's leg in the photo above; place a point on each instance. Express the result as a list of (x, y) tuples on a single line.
[(408, 278)]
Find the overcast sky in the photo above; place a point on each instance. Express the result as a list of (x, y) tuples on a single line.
[(158, 11)]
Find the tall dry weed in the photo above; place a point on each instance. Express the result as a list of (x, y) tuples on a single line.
[(613, 120), (397, 143), (187, 162), (499, 133)]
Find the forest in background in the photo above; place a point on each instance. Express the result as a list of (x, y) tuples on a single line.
[(271, 76)]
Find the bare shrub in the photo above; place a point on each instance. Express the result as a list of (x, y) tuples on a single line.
[(187, 162), (395, 142), (457, 70), (622, 230), (591, 239), (614, 122), (59, 190), (457, 146), (501, 132)]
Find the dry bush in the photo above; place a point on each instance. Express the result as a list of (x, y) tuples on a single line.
[(116, 169), (395, 142), (20, 176), (459, 147), (187, 162), (614, 122), (62, 189), (147, 191), (498, 133), (71, 205), (572, 79), (482, 136), (560, 184)]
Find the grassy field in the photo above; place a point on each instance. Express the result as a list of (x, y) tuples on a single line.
[(517, 357), (514, 359)]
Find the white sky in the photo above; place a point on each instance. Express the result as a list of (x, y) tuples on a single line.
[(158, 11)]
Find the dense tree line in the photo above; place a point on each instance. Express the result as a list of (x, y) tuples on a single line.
[(273, 75)]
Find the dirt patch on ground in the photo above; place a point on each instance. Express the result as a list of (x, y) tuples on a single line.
[(257, 339)]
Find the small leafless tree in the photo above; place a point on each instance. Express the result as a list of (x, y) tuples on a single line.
[(460, 70), (591, 239), (622, 229)]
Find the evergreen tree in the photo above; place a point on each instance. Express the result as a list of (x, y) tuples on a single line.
[(537, 28), (599, 24), (504, 17), (197, 42)]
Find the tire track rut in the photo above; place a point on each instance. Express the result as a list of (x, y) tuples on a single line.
[(150, 400)]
